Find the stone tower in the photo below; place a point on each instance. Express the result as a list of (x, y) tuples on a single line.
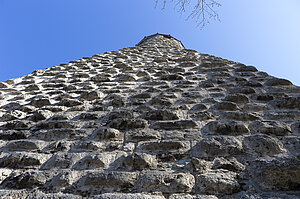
[(152, 121)]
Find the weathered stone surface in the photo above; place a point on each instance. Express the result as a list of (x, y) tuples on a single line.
[(69, 102), (264, 145), (145, 122), (220, 183), (139, 161), (14, 134), (92, 161), (230, 164), (270, 128), (237, 98), (160, 115), (277, 82), (240, 116), (19, 125), (219, 127), (277, 174), (104, 133), (165, 146), (225, 106), (203, 116), (89, 146), (176, 125), (128, 196), (90, 116), (144, 95), (24, 180), (12, 115), (61, 161), (59, 134), (41, 115), (39, 102), (143, 135), (3, 85), (218, 146), (188, 196), (245, 68), (125, 124), (62, 181), (99, 182), (4, 173), (36, 194), (273, 195), (25, 145), (286, 103), (165, 182), (198, 107), (23, 160), (91, 95)]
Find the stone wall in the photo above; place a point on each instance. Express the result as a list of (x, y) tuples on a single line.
[(153, 121)]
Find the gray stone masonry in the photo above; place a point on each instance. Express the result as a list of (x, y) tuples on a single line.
[(155, 121)]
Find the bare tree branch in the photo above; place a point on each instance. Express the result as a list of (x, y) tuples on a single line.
[(203, 11)]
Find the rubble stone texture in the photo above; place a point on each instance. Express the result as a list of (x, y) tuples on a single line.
[(155, 121)]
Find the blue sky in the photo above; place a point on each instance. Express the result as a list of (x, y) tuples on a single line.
[(36, 34)]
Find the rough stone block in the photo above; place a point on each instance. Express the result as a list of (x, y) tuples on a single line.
[(165, 182), (270, 128), (165, 146), (125, 124), (218, 146), (40, 102), (160, 115), (69, 102), (240, 116), (188, 196), (198, 107), (161, 101), (14, 134), (12, 115), (61, 161), (41, 115), (97, 161), (127, 196), (243, 68), (237, 98), (225, 106), (230, 164), (23, 160), (278, 82), (56, 125), (19, 125), (139, 161), (174, 125), (59, 134), (88, 146), (220, 183), (101, 182), (220, 127), (105, 133), (125, 114), (263, 145), (142, 135), (286, 103), (91, 95), (25, 180), (25, 145), (144, 95), (277, 174)]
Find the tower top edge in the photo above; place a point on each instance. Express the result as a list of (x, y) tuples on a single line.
[(161, 40)]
